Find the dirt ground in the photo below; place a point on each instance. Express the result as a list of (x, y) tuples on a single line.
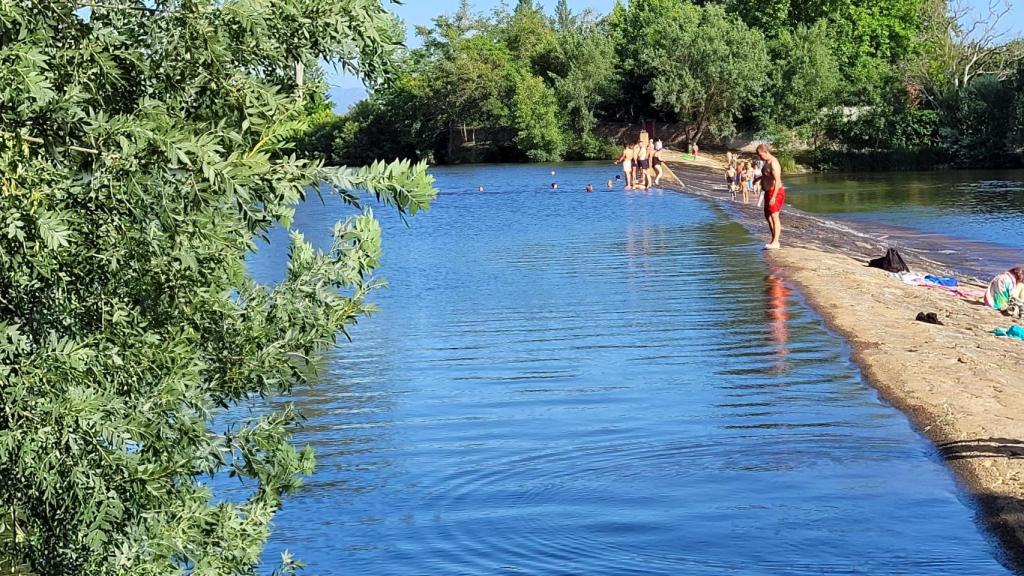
[(962, 386)]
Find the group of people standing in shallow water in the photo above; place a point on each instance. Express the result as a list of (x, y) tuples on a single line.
[(642, 167), (642, 164)]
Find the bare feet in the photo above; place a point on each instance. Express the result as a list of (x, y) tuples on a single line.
[(772, 246)]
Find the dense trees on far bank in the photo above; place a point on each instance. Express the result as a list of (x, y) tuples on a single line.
[(919, 82)]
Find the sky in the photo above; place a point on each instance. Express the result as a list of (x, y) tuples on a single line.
[(346, 90)]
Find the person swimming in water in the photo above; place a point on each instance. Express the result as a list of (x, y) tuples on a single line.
[(590, 187)]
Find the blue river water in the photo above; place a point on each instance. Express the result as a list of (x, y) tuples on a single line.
[(976, 205), (610, 383)]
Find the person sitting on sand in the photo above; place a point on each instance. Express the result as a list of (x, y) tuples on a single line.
[(1005, 288), (774, 195)]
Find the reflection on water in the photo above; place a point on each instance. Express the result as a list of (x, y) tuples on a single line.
[(778, 295), (606, 383)]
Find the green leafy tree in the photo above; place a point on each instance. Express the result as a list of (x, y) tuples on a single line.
[(806, 82), (528, 35), (535, 117), (869, 37), (583, 75), (144, 149), (979, 129), (635, 29), (710, 65)]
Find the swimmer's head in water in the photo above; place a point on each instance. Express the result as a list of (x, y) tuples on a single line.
[(554, 185)]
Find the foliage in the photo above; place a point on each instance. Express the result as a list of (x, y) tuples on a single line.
[(869, 37), (806, 82), (709, 65), (857, 75), (982, 122), (893, 127), (583, 76), (535, 116), (635, 30), (144, 149), (958, 46)]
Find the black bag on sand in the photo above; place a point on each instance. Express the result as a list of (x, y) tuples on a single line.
[(892, 261)]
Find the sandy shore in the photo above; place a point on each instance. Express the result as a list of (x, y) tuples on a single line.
[(962, 386)]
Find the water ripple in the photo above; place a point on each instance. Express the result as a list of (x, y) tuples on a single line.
[(561, 383)]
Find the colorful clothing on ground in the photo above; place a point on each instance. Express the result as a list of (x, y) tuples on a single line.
[(1016, 332)]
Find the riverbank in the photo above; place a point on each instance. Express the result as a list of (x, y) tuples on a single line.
[(960, 385)]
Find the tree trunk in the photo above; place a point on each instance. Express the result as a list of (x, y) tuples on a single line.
[(451, 140)]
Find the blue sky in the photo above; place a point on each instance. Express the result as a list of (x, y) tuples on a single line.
[(346, 90)]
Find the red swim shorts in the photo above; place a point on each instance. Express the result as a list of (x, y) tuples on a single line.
[(776, 206)]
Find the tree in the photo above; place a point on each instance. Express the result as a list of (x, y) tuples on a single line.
[(805, 78), (634, 29), (959, 45), (709, 65), (528, 34), (869, 37), (535, 118), (144, 148), (583, 75), (980, 123)]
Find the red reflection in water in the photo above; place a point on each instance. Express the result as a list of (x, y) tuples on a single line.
[(778, 315)]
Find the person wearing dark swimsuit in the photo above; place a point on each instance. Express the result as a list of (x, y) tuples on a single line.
[(659, 170), (643, 159)]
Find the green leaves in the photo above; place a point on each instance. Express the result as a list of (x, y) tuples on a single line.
[(710, 64), (143, 152)]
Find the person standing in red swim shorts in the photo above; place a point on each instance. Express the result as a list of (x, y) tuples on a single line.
[(774, 195)]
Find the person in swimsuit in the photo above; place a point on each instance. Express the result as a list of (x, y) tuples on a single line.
[(774, 195), (644, 161), (730, 178), (627, 165), (659, 170)]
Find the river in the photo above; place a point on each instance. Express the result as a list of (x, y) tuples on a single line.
[(608, 383), (974, 215)]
